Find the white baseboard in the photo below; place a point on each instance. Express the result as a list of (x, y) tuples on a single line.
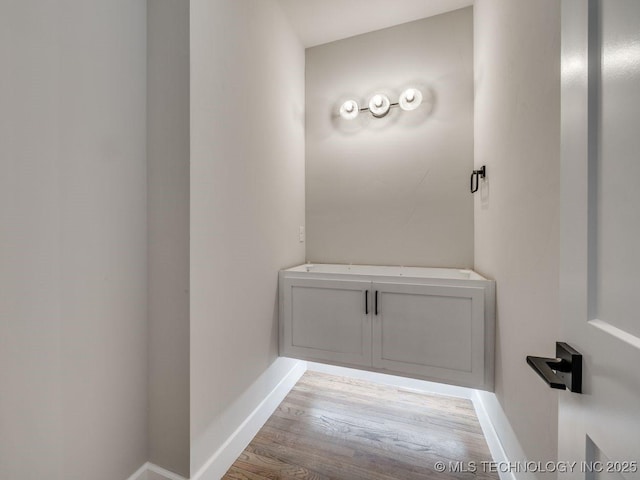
[(501, 438), (217, 465), (490, 434), (140, 474), (149, 471)]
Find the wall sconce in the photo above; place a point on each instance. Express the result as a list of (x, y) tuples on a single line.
[(349, 109), (380, 105), (410, 99)]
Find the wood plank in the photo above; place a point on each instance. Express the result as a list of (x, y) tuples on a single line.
[(271, 467), (397, 398), (387, 447), (235, 473), (331, 427), (434, 420), (378, 432), (366, 459)]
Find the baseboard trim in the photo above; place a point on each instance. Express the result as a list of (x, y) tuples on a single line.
[(491, 436), (502, 440), (217, 465), (150, 471), (140, 474)]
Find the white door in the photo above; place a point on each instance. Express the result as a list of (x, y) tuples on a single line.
[(600, 270)]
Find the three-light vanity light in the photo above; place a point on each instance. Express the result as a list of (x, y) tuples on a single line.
[(380, 105)]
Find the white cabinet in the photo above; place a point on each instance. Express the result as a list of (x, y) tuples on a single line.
[(327, 320), (430, 331), (439, 329)]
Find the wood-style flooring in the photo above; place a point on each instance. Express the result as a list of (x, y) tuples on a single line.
[(332, 427)]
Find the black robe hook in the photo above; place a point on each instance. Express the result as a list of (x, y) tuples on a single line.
[(478, 174)]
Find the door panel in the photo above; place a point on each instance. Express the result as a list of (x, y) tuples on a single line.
[(327, 320), (427, 330), (617, 167), (600, 229), (432, 331)]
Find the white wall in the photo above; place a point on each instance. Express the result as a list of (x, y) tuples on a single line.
[(73, 255), (392, 191), (517, 135), (168, 217), (247, 202)]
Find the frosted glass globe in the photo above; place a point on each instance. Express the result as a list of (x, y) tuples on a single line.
[(410, 99), (349, 109), (379, 105)]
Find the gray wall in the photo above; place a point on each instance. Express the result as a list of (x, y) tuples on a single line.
[(247, 202), (394, 190), (73, 241), (168, 217), (517, 135)]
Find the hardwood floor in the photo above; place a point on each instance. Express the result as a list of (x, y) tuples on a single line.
[(339, 428)]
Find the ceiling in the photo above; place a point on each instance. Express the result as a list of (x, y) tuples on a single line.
[(323, 21)]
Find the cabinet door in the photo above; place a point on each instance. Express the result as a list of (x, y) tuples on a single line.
[(327, 320), (434, 332)]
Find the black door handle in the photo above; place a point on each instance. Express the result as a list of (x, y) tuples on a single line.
[(562, 372), (366, 302), (544, 367), (376, 310)]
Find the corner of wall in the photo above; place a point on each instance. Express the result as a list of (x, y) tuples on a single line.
[(168, 106), (246, 206), (517, 135)]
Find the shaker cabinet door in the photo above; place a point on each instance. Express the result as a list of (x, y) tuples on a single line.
[(430, 331), (327, 320)]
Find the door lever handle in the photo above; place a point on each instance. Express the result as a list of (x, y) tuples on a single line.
[(563, 372), (545, 368)]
